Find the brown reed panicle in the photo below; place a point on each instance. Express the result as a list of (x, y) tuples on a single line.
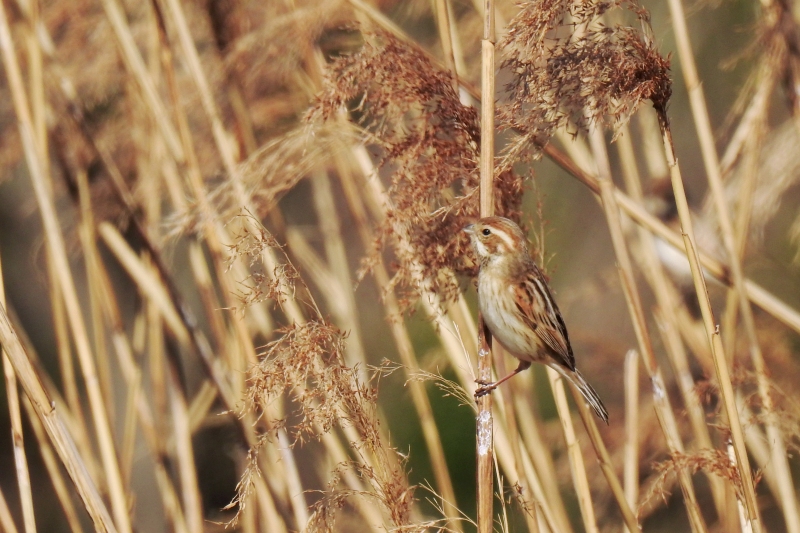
[(570, 70), (713, 461), (250, 242), (428, 143), (306, 365)]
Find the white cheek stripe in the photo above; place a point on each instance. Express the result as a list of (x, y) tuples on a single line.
[(482, 251), (506, 238)]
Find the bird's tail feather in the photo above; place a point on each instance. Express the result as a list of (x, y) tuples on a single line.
[(586, 390)]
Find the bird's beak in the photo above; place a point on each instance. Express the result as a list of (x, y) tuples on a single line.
[(469, 229)]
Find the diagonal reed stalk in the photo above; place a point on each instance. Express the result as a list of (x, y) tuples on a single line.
[(58, 255), (713, 172), (577, 467), (636, 311), (668, 300), (712, 330), (20, 458)]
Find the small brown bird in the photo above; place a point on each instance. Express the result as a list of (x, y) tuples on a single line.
[(518, 308)]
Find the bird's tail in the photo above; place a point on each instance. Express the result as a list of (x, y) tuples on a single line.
[(586, 390)]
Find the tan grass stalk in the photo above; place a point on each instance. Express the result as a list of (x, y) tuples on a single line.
[(485, 491), (146, 279), (17, 438), (778, 452), (444, 24), (152, 341), (329, 286), (58, 255), (21, 461), (649, 138), (717, 352), (540, 456), (222, 138), (150, 285), (154, 438), (759, 448), (712, 166), (213, 233), (269, 514), (6, 521), (336, 255), (757, 294), (190, 489), (604, 459), (633, 300), (510, 422), (631, 467), (35, 72), (65, 362), (91, 261), (337, 454), (54, 469), (577, 466), (135, 64), (405, 348), (668, 303), (754, 113), (35, 27), (746, 525), (51, 418), (777, 445)]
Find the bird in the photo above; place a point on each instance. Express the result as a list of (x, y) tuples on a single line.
[(518, 307)]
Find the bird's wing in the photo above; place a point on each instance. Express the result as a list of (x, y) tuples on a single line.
[(540, 313)]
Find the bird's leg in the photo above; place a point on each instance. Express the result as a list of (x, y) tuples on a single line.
[(486, 388)]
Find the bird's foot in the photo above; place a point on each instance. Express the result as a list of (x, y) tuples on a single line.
[(485, 388)]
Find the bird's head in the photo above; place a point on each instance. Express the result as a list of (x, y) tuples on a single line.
[(497, 240)]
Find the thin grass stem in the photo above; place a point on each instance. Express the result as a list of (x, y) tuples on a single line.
[(17, 437), (577, 466)]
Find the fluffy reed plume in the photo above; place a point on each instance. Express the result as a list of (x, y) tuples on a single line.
[(306, 365), (716, 462), (570, 70), (427, 142)]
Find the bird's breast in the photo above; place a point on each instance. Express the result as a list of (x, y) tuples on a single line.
[(499, 309)]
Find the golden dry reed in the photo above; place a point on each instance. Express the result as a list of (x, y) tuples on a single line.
[(236, 293)]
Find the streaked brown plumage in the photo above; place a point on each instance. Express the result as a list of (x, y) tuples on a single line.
[(518, 308)]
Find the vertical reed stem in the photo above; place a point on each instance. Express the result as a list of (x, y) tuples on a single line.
[(484, 422)]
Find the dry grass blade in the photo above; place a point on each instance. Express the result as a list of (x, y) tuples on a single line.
[(57, 253), (712, 331), (20, 459), (55, 427), (577, 467)]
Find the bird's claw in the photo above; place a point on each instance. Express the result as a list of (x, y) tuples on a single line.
[(485, 388)]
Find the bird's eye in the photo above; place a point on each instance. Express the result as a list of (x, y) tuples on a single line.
[(486, 232)]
